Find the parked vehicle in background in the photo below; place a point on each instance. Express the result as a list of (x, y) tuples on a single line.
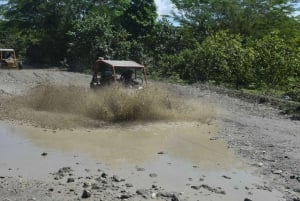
[(9, 60)]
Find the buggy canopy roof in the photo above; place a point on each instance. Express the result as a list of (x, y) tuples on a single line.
[(123, 64), (7, 50)]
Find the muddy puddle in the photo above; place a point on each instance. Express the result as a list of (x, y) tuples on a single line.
[(177, 156)]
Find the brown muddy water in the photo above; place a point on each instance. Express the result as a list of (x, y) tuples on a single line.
[(191, 156)]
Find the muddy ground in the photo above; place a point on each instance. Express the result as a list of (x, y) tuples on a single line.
[(249, 135)]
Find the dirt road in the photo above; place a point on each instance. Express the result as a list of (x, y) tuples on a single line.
[(226, 149)]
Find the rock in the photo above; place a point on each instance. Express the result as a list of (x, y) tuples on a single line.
[(125, 196), (259, 164), (141, 192), (297, 190), (296, 199), (86, 194), (174, 198), (247, 199), (161, 152), (153, 175), (70, 180), (128, 185), (277, 171), (196, 187), (217, 190), (165, 194), (86, 184), (226, 177), (95, 186), (140, 169), (115, 178), (213, 138), (292, 177), (153, 195), (44, 154), (104, 175)]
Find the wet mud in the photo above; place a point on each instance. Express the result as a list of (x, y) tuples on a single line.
[(182, 157)]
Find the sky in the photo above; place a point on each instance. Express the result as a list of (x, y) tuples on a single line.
[(164, 7)]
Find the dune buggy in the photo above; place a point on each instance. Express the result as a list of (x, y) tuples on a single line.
[(128, 73), (8, 59)]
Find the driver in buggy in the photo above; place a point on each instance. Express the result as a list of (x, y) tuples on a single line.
[(127, 77)]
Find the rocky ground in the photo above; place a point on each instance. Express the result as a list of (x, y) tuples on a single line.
[(268, 141), (258, 132)]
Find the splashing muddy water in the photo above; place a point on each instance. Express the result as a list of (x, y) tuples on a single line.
[(68, 106)]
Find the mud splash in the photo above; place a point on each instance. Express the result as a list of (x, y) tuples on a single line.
[(69, 106)]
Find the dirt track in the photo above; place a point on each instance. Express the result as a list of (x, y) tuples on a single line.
[(267, 141)]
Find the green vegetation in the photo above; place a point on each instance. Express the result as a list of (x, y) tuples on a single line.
[(250, 44)]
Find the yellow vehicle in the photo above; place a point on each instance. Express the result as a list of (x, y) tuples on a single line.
[(9, 60)]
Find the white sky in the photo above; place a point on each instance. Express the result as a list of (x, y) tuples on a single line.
[(164, 7)]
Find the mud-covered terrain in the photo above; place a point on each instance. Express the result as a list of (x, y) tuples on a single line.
[(61, 141)]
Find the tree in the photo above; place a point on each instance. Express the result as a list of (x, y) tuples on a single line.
[(275, 61), (139, 18), (252, 18)]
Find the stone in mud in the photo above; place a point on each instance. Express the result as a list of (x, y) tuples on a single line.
[(153, 195), (70, 180), (115, 178), (196, 187), (162, 152), (165, 194), (297, 190), (247, 199), (86, 194), (277, 171), (95, 186), (153, 175), (140, 169), (86, 184), (128, 185), (213, 138), (104, 175), (142, 192), (174, 198), (226, 177), (44, 154), (125, 196), (217, 190)]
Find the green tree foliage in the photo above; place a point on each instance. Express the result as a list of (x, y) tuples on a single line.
[(275, 60), (45, 25), (220, 58), (139, 18), (248, 17)]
